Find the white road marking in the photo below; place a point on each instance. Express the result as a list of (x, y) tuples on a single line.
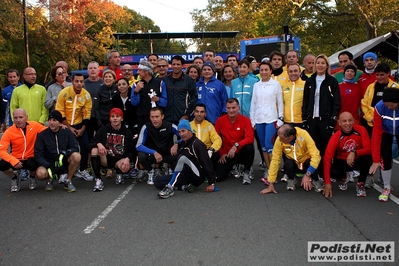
[(107, 211), (396, 161), (392, 197)]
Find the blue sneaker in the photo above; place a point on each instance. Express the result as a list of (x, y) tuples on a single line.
[(23, 176), (134, 172)]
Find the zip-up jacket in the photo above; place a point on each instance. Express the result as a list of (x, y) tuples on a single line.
[(206, 132), (213, 95), (367, 109), (299, 150), (118, 143), (241, 89), (182, 97), (195, 150), (103, 102), (142, 99), (22, 143), (341, 144), (293, 100), (385, 120), (152, 139), (75, 108), (49, 146), (7, 93), (330, 100)]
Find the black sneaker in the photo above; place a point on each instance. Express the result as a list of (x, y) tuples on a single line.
[(49, 185), (189, 188)]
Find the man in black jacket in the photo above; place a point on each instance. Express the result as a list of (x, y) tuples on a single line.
[(57, 153), (112, 147), (181, 93), (192, 168)]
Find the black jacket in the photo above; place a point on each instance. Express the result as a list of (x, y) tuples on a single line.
[(129, 111), (182, 97), (330, 100), (49, 145), (103, 102), (196, 151)]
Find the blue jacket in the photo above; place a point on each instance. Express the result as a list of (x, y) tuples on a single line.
[(241, 88), (214, 96), (7, 93), (390, 118)]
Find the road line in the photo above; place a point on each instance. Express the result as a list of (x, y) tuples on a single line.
[(392, 197), (396, 161), (108, 210)]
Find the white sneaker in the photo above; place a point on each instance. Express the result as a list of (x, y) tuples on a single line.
[(151, 177), (63, 178), (246, 179), (84, 174)]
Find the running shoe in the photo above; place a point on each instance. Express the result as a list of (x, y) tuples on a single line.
[(49, 185), (189, 188), (99, 186), (119, 179), (84, 174), (24, 175), (151, 177), (166, 192), (385, 195), (360, 190), (109, 174), (291, 184), (284, 178), (15, 184), (68, 186), (32, 183), (318, 185), (369, 182), (245, 178), (63, 178)]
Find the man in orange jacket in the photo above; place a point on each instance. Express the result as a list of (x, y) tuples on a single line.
[(21, 137)]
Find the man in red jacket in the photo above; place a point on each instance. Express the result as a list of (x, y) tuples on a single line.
[(350, 149)]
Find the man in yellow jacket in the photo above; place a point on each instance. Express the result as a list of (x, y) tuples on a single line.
[(293, 96), (74, 103), (205, 131), (302, 156)]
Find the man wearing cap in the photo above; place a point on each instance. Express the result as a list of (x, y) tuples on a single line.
[(75, 104), (182, 93), (386, 126), (345, 58), (21, 136), (57, 153), (370, 61), (348, 149), (112, 146), (148, 93), (155, 145), (211, 92), (193, 165)]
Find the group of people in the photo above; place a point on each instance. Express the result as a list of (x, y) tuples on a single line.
[(178, 130)]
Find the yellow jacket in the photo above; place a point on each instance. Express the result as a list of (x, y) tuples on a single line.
[(303, 149), (293, 99), (367, 109), (31, 100), (68, 99), (207, 134)]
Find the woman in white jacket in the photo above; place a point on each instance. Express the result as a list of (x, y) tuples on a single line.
[(267, 111)]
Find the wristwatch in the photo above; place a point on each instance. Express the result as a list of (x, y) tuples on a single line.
[(308, 173), (236, 144)]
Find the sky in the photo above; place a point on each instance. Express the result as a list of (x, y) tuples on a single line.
[(170, 16)]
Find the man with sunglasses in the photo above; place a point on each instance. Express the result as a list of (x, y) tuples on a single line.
[(302, 157)]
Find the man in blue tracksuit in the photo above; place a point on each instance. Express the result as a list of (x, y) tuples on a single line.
[(212, 93)]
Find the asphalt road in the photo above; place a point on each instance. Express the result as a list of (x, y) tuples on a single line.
[(129, 225)]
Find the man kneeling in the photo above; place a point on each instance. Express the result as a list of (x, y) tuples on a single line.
[(112, 146), (57, 153), (192, 167)]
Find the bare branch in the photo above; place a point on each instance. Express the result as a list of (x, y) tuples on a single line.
[(330, 14)]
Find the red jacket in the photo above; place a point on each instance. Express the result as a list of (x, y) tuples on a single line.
[(350, 99), (365, 80), (341, 144), (240, 131)]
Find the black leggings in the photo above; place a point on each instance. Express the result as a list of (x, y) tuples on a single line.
[(386, 151)]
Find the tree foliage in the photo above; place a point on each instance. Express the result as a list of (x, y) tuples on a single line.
[(324, 26)]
